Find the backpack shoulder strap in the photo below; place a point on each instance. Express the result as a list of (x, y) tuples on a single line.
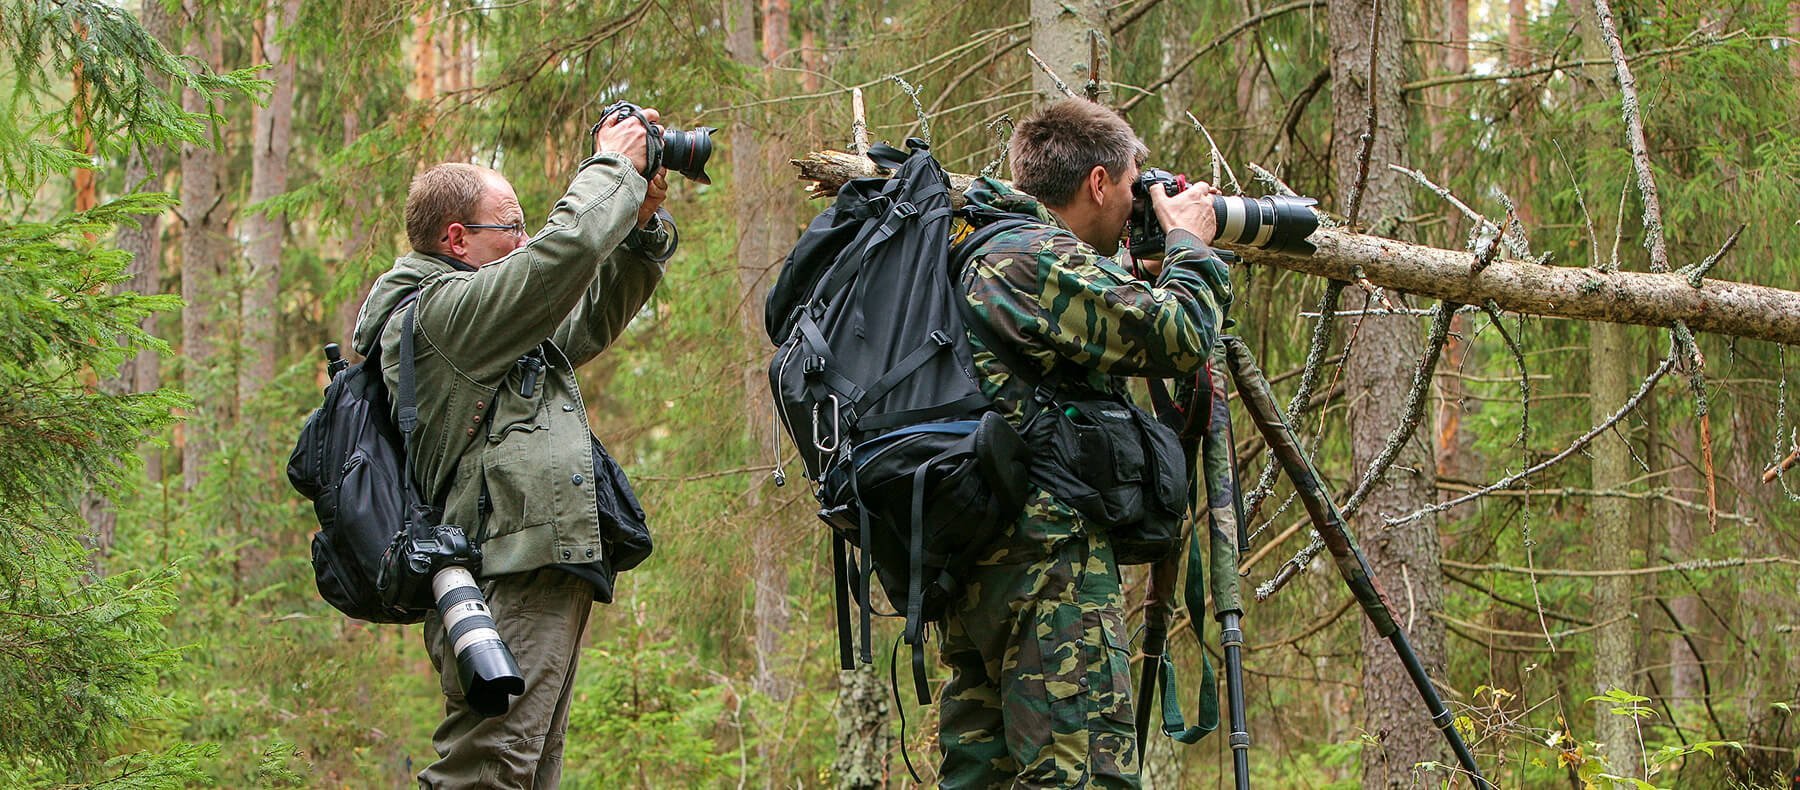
[(961, 256)]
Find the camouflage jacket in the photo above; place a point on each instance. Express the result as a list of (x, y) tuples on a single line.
[(1057, 299)]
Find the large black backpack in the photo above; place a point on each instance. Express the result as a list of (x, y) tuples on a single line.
[(914, 470), (350, 460)]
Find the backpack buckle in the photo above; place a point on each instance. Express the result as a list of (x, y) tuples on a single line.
[(940, 337), (905, 210), (812, 366), (820, 439)]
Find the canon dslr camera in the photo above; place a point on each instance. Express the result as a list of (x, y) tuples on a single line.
[(1276, 222), (684, 152), (441, 561)]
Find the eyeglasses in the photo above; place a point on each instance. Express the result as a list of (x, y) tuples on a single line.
[(516, 229)]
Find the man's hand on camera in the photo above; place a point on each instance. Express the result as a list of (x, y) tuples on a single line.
[(1192, 210), (653, 198), (627, 136)]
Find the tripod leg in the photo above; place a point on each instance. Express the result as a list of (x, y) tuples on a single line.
[(1224, 504), (1253, 389)]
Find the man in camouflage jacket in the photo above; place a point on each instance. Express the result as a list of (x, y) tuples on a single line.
[(1040, 689), (503, 442)]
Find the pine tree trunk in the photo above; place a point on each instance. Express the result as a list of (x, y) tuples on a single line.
[(207, 346), (1615, 650), (144, 172), (1404, 559), (755, 158), (272, 139), (1062, 35)]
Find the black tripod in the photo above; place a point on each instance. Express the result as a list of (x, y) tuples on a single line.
[(1228, 539)]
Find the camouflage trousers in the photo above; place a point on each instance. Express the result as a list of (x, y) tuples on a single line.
[(1040, 686)]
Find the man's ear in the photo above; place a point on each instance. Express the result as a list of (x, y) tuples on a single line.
[(456, 240), (1098, 183)]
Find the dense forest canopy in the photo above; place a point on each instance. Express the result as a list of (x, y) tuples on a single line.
[(1585, 525)]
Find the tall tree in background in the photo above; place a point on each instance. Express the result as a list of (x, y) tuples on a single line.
[(207, 337), (271, 140), (758, 167), (1369, 121)]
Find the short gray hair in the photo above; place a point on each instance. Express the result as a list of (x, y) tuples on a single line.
[(1055, 148), (450, 192)]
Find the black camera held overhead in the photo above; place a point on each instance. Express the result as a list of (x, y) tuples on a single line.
[(437, 564), (1276, 222), (684, 152)]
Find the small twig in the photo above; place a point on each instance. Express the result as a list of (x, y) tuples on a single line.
[(919, 109), (1367, 147), (1218, 159), (859, 123), (1769, 475), (1630, 404), (1584, 573), (1493, 313), (1515, 230), (1093, 84), (1060, 85), (1580, 200), (1005, 137), (1697, 273)]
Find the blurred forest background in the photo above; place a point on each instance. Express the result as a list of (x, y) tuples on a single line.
[(197, 195)]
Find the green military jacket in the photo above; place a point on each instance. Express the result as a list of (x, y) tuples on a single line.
[(567, 293), (1055, 298)]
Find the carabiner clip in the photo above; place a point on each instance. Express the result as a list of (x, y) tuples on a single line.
[(818, 435)]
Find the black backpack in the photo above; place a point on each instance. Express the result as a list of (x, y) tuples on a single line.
[(874, 382), (350, 460)]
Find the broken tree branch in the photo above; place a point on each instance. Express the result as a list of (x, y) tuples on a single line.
[(1719, 306)]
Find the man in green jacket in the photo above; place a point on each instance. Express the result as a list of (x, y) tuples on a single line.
[(503, 444), (1039, 694)]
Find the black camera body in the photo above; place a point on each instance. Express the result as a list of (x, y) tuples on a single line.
[(413, 559), (1276, 222), (438, 565), (683, 151)]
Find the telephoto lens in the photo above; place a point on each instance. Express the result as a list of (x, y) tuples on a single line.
[(485, 668), (1276, 222)]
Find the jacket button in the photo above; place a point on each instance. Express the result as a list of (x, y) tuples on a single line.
[(568, 407), (471, 431), (576, 479), (590, 553), (565, 554), (477, 419), (480, 404)]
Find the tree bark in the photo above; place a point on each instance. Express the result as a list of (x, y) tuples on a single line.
[(1719, 306), (1615, 650), (207, 349), (1366, 55), (863, 737), (1062, 34), (144, 172), (267, 230), (756, 172)]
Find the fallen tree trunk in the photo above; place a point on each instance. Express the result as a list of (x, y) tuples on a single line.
[(1718, 306)]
